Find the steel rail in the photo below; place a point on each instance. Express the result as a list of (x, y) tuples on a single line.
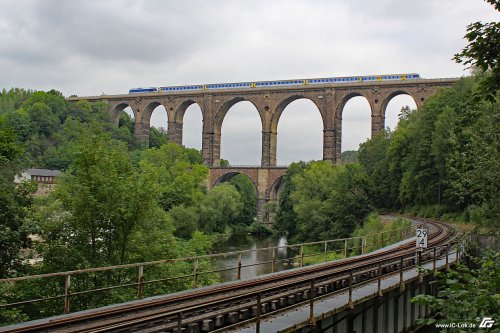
[(281, 280)]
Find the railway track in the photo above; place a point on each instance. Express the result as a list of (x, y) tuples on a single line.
[(221, 307)]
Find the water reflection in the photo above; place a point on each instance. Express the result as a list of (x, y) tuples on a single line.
[(251, 259)]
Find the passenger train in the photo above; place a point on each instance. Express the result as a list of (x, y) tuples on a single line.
[(281, 83)]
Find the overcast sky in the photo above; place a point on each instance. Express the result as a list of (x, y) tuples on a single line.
[(91, 47)]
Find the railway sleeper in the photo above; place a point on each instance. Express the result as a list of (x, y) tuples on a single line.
[(244, 314), (219, 321), (194, 328)]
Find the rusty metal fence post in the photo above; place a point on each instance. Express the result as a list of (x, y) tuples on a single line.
[(401, 279), (140, 286), (379, 279), (326, 251), (311, 321), (350, 303), (195, 273), (434, 260), (257, 317), (302, 256), (179, 322), (273, 269), (447, 253), (67, 293), (419, 268), (238, 274), (345, 248)]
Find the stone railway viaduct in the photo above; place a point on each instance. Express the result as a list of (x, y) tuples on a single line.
[(270, 103)]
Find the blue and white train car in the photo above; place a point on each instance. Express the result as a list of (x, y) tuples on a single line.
[(281, 83)]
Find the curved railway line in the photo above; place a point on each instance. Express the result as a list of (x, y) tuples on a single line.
[(224, 306)]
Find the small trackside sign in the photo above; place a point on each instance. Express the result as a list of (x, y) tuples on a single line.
[(421, 238)]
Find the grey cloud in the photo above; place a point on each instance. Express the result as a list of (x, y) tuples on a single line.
[(90, 47)]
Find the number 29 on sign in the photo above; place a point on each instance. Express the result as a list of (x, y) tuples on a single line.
[(422, 238)]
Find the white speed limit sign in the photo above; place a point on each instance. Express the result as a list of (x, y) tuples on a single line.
[(422, 238)]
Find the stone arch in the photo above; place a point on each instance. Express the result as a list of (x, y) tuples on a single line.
[(180, 110), (393, 94), (272, 192), (390, 118), (225, 177), (343, 101), (148, 111), (307, 120), (226, 106), (218, 120), (281, 106), (117, 109), (340, 122), (176, 119)]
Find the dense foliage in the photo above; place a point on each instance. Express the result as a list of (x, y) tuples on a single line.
[(322, 201), (467, 293), (443, 159), (483, 52), (14, 203), (117, 202)]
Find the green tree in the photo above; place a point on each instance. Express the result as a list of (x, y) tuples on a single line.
[(373, 156), (106, 201), (330, 201), (483, 52), (285, 220), (13, 99), (15, 199), (220, 209), (248, 194), (181, 181), (465, 294), (186, 220), (157, 137), (53, 99)]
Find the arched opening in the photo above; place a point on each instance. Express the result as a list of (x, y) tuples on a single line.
[(124, 117), (356, 124), (192, 127), (394, 108), (241, 134), (158, 127), (300, 129), (248, 192), (275, 189), (272, 196)]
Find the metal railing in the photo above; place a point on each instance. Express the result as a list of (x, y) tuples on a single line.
[(194, 271), (255, 305)]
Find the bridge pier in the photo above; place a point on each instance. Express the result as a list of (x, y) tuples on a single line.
[(174, 132), (268, 149)]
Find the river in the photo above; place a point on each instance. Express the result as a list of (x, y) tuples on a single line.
[(250, 258)]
